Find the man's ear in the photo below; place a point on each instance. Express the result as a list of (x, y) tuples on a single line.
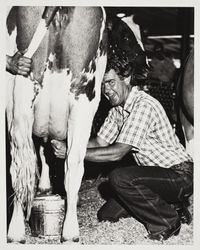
[(127, 80)]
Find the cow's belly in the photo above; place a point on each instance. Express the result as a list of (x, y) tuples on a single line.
[(52, 106)]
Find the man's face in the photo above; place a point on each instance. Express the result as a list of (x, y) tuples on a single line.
[(115, 89)]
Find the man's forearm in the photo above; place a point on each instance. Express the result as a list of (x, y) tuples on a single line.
[(97, 142), (99, 155), (107, 154), (99, 151)]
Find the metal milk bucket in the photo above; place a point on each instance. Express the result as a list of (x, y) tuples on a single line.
[(47, 216)]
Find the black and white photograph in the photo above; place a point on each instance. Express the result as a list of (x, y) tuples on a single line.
[(97, 119)]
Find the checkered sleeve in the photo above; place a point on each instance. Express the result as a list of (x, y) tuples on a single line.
[(109, 129), (137, 125)]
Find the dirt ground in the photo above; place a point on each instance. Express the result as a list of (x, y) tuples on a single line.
[(127, 231)]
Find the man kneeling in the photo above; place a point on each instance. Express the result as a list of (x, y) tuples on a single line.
[(163, 175)]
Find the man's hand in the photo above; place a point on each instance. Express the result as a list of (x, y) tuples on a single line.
[(59, 148), (18, 64)]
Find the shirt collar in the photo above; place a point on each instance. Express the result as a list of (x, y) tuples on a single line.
[(126, 110), (131, 99)]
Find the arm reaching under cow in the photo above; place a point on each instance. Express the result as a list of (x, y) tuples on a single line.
[(97, 151)]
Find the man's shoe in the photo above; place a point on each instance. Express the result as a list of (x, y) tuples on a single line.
[(174, 230)]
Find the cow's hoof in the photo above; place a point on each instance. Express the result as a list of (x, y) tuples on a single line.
[(10, 240), (69, 241), (75, 239)]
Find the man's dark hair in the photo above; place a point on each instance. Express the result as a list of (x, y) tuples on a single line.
[(125, 55)]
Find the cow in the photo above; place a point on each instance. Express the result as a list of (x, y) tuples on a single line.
[(185, 102), (57, 101)]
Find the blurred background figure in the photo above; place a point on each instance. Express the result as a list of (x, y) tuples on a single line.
[(162, 65)]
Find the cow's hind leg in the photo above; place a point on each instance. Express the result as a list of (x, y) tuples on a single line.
[(188, 131), (23, 164), (79, 126), (16, 231)]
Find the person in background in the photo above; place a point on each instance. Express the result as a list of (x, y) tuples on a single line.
[(162, 65), (155, 186)]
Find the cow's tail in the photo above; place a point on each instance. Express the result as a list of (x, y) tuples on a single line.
[(23, 176), (23, 167)]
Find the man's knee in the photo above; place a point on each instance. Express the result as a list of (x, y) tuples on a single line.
[(115, 177), (123, 177)]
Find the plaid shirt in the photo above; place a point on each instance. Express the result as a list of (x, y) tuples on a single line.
[(143, 124)]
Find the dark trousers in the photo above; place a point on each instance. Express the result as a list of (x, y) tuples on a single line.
[(149, 192)]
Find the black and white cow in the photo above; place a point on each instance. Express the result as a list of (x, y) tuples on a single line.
[(58, 101), (185, 95)]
